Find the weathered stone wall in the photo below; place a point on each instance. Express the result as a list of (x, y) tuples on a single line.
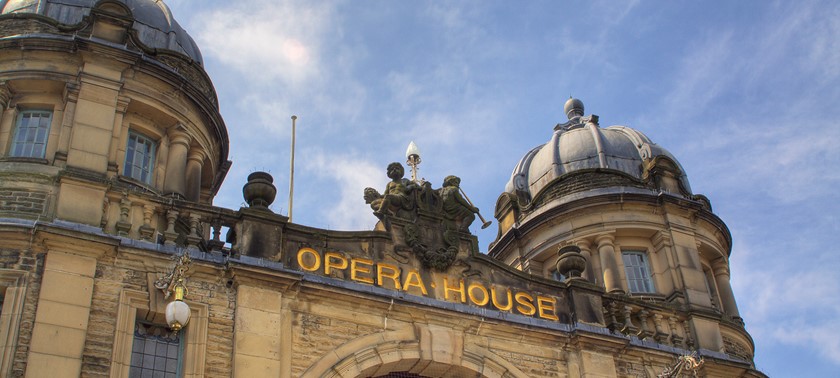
[(581, 181), (22, 201), (33, 264), (320, 325), (735, 349), (130, 270)]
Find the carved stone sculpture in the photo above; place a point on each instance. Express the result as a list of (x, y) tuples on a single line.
[(429, 222), (398, 193), (457, 211)]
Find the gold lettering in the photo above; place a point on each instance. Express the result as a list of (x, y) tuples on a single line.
[(301, 258), (413, 279), (328, 262), (366, 268), (460, 290), (394, 274), (544, 304), (526, 305), (485, 296), (509, 302)]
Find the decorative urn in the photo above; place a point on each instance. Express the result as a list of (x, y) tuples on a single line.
[(259, 192), (571, 263)]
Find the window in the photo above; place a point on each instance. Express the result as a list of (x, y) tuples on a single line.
[(637, 271), (139, 157), (13, 289), (31, 132), (155, 352), (134, 308)]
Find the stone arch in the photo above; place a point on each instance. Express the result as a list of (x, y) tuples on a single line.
[(424, 349)]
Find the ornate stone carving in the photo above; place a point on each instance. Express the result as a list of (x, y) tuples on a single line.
[(429, 221)]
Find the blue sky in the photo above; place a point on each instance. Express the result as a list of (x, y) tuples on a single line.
[(745, 94)]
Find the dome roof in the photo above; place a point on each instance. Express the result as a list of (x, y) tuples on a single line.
[(581, 145), (153, 20)]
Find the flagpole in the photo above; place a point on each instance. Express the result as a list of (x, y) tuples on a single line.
[(292, 170)]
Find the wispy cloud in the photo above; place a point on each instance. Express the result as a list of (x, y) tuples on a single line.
[(790, 304), (344, 208), (266, 41)]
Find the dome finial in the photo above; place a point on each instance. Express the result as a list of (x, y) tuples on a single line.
[(573, 107)]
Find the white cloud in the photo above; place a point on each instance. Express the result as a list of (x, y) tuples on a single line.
[(786, 303), (266, 41), (344, 207)]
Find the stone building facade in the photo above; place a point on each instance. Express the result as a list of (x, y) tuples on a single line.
[(112, 149)]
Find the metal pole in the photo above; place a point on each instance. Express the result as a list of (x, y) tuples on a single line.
[(292, 170), (485, 223)]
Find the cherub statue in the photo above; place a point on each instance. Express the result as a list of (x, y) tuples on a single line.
[(456, 209), (373, 198), (397, 194)]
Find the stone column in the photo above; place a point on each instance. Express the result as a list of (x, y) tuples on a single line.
[(727, 299), (609, 265), (195, 163), (176, 162), (586, 251)]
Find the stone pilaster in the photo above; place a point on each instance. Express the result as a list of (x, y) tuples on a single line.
[(61, 323), (257, 338), (114, 158)]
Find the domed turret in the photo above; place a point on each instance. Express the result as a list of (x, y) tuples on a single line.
[(150, 21), (582, 159), (110, 100), (626, 205)]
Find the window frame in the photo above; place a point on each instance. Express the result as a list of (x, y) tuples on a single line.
[(151, 155), (180, 355), (132, 303), (13, 145), (646, 280), (14, 285)]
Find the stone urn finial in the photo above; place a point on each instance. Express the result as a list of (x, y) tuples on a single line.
[(259, 192), (571, 263)]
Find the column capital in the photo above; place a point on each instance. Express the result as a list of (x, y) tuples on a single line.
[(197, 155), (122, 103), (720, 267), (71, 92), (6, 95), (178, 135), (583, 244), (607, 238), (661, 240)]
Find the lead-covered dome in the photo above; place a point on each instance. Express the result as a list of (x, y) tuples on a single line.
[(152, 20), (583, 159)]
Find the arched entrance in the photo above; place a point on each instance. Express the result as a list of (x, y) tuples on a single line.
[(423, 352)]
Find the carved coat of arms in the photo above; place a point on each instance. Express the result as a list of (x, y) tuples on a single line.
[(431, 220)]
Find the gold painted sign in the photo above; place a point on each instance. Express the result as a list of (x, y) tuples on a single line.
[(411, 281)]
